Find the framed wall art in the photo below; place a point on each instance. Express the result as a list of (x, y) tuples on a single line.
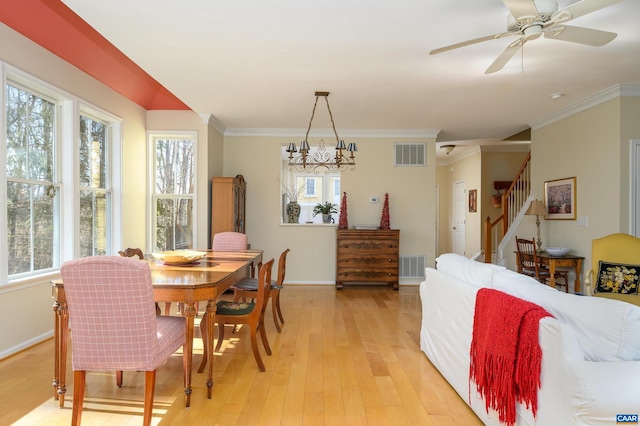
[(473, 200), (560, 198)]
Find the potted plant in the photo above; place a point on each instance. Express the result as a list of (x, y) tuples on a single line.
[(325, 209)]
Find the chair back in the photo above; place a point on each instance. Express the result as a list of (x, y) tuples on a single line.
[(615, 248), (527, 256), (229, 241), (264, 287), (282, 267), (112, 312), (130, 252)]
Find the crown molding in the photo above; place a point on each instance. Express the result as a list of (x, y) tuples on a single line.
[(613, 92), (211, 120), (346, 133)]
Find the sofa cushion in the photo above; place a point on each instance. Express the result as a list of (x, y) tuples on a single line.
[(617, 278), (606, 330), (471, 271)]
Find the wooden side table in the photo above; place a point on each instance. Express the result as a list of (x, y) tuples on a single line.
[(568, 260)]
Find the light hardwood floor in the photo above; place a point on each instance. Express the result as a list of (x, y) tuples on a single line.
[(348, 357)]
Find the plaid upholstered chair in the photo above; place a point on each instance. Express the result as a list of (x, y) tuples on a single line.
[(249, 313), (247, 288), (229, 241), (107, 337)]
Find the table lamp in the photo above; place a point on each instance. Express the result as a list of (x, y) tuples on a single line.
[(537, 208)]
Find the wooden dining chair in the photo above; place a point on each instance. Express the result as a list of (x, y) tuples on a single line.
[(529, 264), (108, 337), (247, 288), (248, 313), (136, 252)]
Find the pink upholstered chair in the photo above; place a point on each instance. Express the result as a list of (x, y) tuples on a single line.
[(248, 288), (114, 323), (229, 241)]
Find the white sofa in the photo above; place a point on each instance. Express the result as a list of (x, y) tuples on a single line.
[(590, 350)]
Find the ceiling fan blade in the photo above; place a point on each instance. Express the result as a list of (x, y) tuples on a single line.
[(588, 36), (521, 8), (504, 57), (583, 7), (469, 42)]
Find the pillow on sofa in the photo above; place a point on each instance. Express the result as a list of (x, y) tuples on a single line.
[(474, 272), (606, 330), (617, 278)]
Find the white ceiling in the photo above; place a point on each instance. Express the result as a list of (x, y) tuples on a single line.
[(256, 64)]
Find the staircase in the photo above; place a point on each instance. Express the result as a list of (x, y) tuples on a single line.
[(514, 200)]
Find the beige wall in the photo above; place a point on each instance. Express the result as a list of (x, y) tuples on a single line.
[(411, 199), (592, 145), (35, 297)]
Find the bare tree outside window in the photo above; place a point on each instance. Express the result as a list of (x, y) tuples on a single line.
[(31, 182), (173, 193)]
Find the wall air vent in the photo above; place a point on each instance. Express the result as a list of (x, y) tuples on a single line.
[(410, 154), (412, 266)]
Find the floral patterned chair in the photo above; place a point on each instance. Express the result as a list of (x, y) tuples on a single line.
[(615, 269)]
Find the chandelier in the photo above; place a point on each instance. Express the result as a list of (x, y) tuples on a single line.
[(320, 159)]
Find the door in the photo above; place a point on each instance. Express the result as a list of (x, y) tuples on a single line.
[(459, 206)]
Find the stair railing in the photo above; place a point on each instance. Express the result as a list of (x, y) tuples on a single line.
[(513, 200)]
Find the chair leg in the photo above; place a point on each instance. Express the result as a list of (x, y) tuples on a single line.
[(167, 308), (275, 306), (263, 336), (220, 335), (203, 332), (256, 352), (119, 378), (149, 389), (79, 381)]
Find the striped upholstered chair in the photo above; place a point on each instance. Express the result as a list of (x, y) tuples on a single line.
[(229, 241), (114, 323)]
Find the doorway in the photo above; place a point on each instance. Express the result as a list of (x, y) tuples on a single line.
[(459, 211)]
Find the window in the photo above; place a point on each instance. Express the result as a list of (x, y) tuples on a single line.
[(95, 194), (31, 175), (311, 189), (173, 159), (58, 176)]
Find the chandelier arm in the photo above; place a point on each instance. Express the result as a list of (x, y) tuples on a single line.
[(313, 112), (326, 99)]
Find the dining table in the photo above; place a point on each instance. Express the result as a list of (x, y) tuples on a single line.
[(203, 280)]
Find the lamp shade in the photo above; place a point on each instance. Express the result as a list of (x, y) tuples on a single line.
[(536, 208)]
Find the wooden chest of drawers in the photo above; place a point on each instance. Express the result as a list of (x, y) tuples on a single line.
[(367, 256)]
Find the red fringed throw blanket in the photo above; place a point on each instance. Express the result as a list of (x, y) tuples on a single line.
[(505, 354)]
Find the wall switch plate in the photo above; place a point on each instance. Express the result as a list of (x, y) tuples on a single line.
[(374, 200), (583, 220)]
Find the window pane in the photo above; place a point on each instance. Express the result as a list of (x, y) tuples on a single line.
[(30, 125), (30, 228), (174, 166), (93, 153), (94, 223), (174, 225)]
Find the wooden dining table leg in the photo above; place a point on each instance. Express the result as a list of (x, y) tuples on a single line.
[(56, 349), (211, 312), (187, 355), (62, 329)]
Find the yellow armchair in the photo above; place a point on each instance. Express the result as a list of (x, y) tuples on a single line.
[(614, 248)]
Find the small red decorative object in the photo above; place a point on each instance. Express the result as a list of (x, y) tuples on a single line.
[(384, 219), (343, 223)]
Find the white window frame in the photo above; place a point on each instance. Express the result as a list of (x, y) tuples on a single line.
[(66, 180)]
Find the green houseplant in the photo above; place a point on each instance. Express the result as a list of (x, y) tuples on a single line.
[(325, 209)]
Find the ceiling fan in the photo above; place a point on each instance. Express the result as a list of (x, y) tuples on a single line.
[(529, 19)]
